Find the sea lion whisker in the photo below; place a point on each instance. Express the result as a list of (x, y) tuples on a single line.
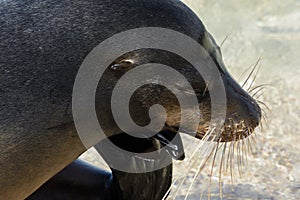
[(189, 166), (263, 111), (243, 150), (214, 157), (199, 169), (264, 116), (257, 92), (189, 146), (202, 165), (254, 78), (220, 170), (251, 81), (212, 166), (208, 146), (257, 95), (206, 137), (259, 86), (236, 143), (232, 160), (251, 73), (249, 145), (201, 195), (168, 191), (221, 146), (208, 158), (181, 183), (239, 156), (225, 161), (195, 151), (257, 98), (261, 127), (252, 137), (224, 40), (208, 134), (266, 119), (244, 143), (228, 156), (265, 105), (244, 72)]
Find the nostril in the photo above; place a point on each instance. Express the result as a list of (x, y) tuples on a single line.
[(255, 113), (252, 110), (256, 123)]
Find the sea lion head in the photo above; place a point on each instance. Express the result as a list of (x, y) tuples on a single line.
[(243, 114)]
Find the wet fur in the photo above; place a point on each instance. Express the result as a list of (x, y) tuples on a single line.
[(44, 44)]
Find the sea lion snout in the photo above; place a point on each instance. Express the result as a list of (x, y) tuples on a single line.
[(243, 113)]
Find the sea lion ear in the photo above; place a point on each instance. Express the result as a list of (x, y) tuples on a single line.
[(173, 144), (120, 67), (124, 65)]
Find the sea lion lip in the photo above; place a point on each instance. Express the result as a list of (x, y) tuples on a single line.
[(231, 131)]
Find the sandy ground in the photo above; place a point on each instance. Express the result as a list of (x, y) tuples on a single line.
[(271, 30)]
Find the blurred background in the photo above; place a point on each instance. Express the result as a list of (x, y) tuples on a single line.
[(269, 29)]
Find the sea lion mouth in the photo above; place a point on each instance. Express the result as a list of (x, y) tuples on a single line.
[(243, 115), (229, 132)]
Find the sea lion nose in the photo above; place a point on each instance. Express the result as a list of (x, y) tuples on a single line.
[(254, 112), (241, 104)]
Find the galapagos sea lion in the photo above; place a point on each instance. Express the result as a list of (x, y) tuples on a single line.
[(43, 44)]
